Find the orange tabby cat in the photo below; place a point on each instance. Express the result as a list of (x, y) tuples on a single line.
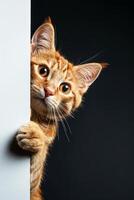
[(57, 88)]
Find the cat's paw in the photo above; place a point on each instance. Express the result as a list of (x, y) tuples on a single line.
[(30, 137)]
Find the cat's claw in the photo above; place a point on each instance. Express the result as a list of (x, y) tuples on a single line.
[(29, 138)]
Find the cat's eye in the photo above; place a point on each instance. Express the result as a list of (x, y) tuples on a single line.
[(65, 87), (43, 70)]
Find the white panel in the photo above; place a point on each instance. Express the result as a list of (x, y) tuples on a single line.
[(14, 95)]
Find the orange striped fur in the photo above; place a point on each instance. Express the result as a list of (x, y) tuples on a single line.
[(57, 88)]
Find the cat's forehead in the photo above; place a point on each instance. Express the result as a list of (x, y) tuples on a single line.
[(54, 60), (58, 64)]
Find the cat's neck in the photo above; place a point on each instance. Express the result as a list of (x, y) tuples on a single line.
[(44, 123), (43, 120)]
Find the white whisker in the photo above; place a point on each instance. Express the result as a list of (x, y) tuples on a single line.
[(64, 118), (64, 127), (62, 106), (59, 115)]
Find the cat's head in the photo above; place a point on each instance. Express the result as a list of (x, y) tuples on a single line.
[(57, 86)]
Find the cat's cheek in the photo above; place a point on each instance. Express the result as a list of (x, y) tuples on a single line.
[(77, 101), (38, 106)]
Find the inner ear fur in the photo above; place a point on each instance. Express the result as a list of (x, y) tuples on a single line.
[(44, 37), (86, 74)]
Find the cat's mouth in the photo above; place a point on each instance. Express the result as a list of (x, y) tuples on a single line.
[(42, 100), (47, 101), (50, 108)]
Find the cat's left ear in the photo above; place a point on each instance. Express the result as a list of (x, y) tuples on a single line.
[(44, 37), (86, 74)]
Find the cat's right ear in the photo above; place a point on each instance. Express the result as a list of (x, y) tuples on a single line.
[(44, 37)]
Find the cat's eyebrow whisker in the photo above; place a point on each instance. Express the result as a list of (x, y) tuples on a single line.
[(91, 58)]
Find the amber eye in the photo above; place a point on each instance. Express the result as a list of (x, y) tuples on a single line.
[(43, 70), (65, 87)]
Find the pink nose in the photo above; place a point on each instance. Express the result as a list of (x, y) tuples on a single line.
[(48, 92)]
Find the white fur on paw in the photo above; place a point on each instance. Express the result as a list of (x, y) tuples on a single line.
[(28, 140)]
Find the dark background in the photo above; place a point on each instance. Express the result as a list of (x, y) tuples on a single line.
[(98, 162)]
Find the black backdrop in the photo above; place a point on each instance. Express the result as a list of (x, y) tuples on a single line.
[(98, 162)]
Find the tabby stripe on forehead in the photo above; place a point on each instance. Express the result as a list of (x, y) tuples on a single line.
[(59, 65), (53, 74), (69, 77), (65, 68), (55, 66)]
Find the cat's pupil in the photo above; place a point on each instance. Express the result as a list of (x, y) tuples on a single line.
[(65, 88), (43, 70)]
